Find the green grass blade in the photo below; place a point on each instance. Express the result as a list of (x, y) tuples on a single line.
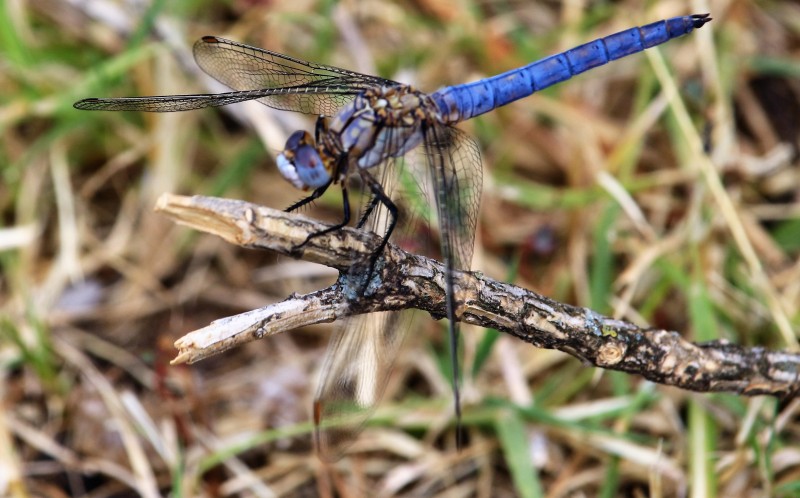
[(513, 439)]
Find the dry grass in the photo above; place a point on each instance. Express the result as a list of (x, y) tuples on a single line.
[(596, 193)]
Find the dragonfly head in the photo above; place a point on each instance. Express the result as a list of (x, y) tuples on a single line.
[(301, 164)]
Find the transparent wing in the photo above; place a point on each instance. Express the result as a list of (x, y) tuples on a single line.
[(354, 375), (274, 79), (304, 86), (456, 176), (361, 354), (454, 164), (171, 103)]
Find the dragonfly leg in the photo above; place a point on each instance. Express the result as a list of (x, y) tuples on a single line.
[(338, 226), (373, 203), (316, 194), (378, 196)]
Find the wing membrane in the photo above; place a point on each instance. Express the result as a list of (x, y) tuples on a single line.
[(354, 375), (454, 165), (361, 354), (359, 358), (274, 79), (306, 87), (174, 103)]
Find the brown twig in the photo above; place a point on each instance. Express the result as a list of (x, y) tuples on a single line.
[(404, 280)]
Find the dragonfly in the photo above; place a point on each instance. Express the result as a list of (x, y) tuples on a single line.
[(365, 126)]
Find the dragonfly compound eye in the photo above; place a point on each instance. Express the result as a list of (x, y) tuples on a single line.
[(301, 164), (310, 168)]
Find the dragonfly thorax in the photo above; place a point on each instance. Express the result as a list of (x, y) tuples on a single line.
[(301, 164), (378, 124), (381, 123)]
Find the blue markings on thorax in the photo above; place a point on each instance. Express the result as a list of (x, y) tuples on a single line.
[(364, 129)]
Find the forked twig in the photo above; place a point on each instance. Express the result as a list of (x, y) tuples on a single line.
[(404, 280)]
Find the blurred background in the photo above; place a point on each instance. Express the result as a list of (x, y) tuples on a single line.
[(609, 191)]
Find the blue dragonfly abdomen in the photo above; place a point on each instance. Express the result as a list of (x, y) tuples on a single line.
[(462, 102)]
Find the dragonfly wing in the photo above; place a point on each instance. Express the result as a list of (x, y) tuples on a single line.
[(274, 79), (304, 86), (354, 375), (454, 164), (173, 103), (361, 354)]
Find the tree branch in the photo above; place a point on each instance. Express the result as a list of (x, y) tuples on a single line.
[(404, 280)]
